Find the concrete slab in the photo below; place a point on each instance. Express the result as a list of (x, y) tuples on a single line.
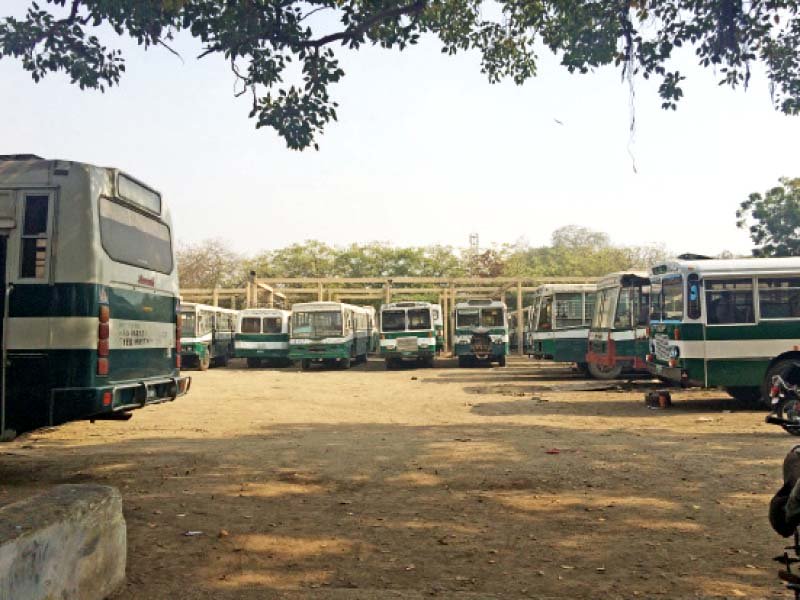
[(68, 543)]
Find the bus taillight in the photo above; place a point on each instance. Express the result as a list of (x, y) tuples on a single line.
[(676, 334), (103, 334)]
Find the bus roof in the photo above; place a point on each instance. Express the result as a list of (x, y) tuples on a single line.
[(260, 312), (623, 278), (480, 303), (555, 288), (407, 304), (730, 266), (187, 306), (325, 305)]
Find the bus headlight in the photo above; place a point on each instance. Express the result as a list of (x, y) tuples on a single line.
[(674, 352)]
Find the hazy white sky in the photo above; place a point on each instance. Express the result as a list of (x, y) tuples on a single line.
[(425, 151)]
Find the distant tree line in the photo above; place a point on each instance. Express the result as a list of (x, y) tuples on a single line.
[(573, 251)]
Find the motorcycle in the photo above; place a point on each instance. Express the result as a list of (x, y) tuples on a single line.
[(784, 405)]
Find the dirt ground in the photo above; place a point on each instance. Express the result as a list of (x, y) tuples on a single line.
[(523, 482)]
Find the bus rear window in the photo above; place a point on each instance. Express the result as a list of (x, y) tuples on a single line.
[(569, 310), (135, 239), (272, 325), (251, 325)]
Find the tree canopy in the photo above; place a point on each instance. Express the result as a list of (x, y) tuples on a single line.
[(573, 252), (773, 219), (283, 52)]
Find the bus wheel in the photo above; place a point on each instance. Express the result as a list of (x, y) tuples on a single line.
[(429, 362), (501, 362), (344, 363), (252, 363), (463, 361), (747, 396), (204, 363), (604, 371), (305, 364)]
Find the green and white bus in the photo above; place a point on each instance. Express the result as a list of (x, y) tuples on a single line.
[(411, 331), (725, 323), (481, 332), (89, 295), (618, 335), (331, 333), (206, 335), (262, 336), (559, 322)]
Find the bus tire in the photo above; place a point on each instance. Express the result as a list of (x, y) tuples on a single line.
[(305, 364), (787, 368), (252, 363), (604, 371), (344, 363), (501, 362), (747, 396), (429, 361), (463, 361), (204, 363)]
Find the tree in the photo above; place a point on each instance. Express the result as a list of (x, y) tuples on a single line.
[(263, 39), (773, 219), (209, 264)]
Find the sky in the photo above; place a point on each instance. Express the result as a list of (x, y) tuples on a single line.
[(425, 151)]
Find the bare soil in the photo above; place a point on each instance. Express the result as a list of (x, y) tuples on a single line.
[(523, 482)]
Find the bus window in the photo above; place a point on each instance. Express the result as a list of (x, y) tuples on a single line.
[(492, 317), (693, 309), (569, 308), (419, 318), (604, 313), (317, 324), (546, 313), (729, 301), (205, 322), (588, 313), (132, 238), (188, 323), (672, 299), (272, 325), (393, 320), (622, 318), (251, 325), (34, 237), (641, 307), (469, 317), (779, 298)]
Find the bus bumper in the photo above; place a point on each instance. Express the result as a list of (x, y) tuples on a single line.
[(495, 351), (411, 354), (256, 353), (320, 353), (68, 404), (675, 374)]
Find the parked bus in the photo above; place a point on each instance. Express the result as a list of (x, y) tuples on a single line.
[(559, 322), (206, 335), (726, 323), (411, 331), (374, 333), (481, 332), (331, 333), (262, 336), (89, 295), (618, 335)]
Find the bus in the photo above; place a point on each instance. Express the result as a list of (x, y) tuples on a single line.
[(618, 334), (89, 295), (262, 337), (329, 333), (729, 323), (558, 329), (411, 331), (374, 333), (206, 335), (481, 332)]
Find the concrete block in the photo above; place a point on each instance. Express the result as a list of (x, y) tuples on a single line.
[(66, 544)]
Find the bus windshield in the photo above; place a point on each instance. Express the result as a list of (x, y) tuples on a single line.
[(569, 310), (393, 320), (468, 317), (419, 319), (668, 301), (316, 324), (606, 306), (492, 317), (188, 324)]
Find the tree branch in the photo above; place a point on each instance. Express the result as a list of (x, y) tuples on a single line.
[(366, 25)]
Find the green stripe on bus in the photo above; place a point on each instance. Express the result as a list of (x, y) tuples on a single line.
[(261, 337), (393, 335), (82, 300)]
